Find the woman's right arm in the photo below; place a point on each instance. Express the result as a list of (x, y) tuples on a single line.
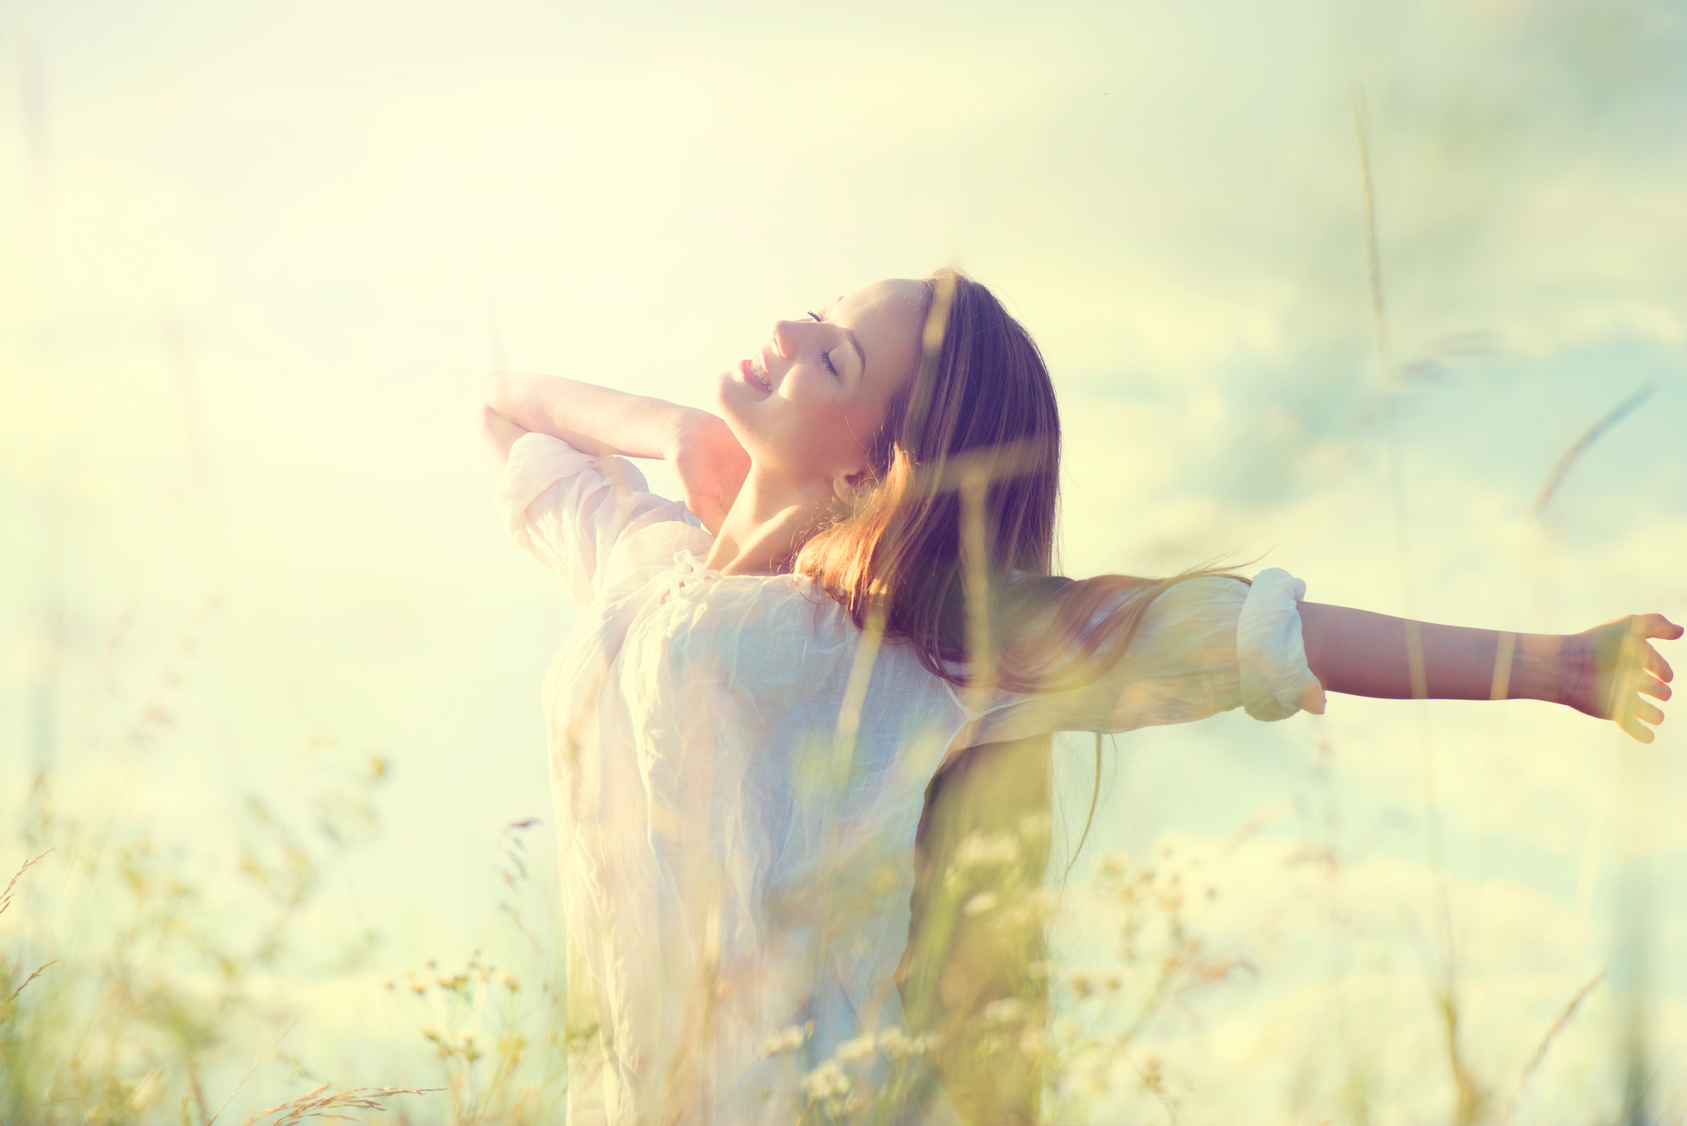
[(598, 420)]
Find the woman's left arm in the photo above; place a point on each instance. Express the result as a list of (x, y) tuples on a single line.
[(1600, 671)]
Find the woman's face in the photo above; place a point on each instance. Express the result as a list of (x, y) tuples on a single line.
[(808, 403)]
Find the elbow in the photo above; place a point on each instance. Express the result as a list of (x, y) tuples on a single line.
[(497, 393), (498, 411)]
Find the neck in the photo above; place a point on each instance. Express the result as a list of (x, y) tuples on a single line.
[(759, 534)]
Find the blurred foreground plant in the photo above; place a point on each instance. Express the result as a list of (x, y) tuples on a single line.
[(499, 1036), (1000, 1060), (156, 976)]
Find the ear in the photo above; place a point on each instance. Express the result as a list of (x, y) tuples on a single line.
[(847, 481)]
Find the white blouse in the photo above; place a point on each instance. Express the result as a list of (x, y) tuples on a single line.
[(737, 794)]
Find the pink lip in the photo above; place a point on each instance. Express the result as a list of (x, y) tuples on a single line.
[(754, 377)]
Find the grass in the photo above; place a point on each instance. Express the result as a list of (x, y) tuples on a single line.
[(157, 972), (128, 1029)]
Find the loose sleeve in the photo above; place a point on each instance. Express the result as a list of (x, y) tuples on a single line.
[(572, 511), (1270, 653), (1205, 645)]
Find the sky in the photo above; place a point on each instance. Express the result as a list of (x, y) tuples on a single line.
[(256, 260)]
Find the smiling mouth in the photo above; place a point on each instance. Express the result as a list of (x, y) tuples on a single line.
[(749, 372)]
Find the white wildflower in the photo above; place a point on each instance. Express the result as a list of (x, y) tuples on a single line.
[(1115, 864), (857, 1049), (786, 1039), (983, 902), (825, 1082), (1008, 1010), (984, 850), (894, 1043)]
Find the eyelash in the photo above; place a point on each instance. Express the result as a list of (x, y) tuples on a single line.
[(825, 357)]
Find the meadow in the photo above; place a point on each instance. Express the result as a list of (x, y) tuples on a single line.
[(1392, 296)]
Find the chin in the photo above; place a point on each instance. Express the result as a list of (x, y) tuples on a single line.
[(736, 404), (730, 401), (727, 401)]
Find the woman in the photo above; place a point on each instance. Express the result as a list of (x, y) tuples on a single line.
[(857, 600)]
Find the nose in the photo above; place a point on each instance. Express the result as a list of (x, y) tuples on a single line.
[(786, 336)]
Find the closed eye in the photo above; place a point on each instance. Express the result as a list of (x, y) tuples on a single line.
[(825, 357)]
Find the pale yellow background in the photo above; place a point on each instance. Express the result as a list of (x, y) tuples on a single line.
[(255, 260)]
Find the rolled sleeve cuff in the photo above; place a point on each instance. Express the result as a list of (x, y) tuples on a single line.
[(536, 462), (1270, 654)]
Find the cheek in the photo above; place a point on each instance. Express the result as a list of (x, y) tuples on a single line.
[(856, 425), (791, 429), (805, 403), (837, 429)]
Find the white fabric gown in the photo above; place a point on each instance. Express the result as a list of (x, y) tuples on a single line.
[(731, 866)]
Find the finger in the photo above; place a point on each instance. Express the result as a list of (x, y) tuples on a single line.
[(1648, 712), (1636, 730), (1659, 626), (1657, 666), (1654, 688)]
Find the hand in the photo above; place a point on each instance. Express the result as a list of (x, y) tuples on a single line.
[(711, 466), (1607, 667)]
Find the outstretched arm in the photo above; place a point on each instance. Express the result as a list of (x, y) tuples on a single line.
[(599, 420), (1600, 671)]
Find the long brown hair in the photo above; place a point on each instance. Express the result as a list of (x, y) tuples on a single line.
[(950, 546), (950, 543)]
